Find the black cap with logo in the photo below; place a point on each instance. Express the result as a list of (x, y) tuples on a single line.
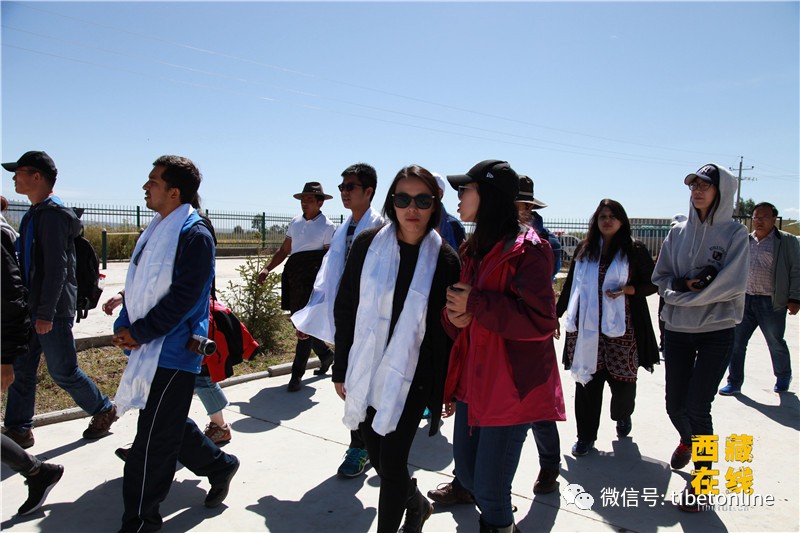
[(38, 160), (498, 174)]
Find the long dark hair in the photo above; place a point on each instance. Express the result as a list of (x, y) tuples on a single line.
[(423, 175), (496, 221), (621, 242)]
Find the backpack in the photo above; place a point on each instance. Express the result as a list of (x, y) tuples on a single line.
[(87, 274)]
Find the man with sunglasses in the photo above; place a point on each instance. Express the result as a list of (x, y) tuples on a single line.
[(316, 318), (46, 253)]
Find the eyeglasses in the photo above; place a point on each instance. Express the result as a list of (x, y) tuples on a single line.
[(701, 186), (349, 186), (403, 200), (462, 190)]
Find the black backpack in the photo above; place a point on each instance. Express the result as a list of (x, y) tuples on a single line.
[(87, 274)]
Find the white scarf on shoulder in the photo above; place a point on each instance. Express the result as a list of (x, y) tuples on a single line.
[(584, 307), (316, 318), (378, 374), (146, 283)]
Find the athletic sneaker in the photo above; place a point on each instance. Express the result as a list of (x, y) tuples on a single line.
[(730, 390), (39, 486), (219, 435), (680, 457), (355, 462)]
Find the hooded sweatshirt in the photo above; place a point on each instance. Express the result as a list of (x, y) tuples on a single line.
[(692, 245)]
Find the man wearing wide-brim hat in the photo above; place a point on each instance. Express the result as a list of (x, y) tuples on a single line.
[(527, 205), (307, 240)]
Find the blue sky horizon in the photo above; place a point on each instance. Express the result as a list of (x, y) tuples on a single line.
[(591, 100)]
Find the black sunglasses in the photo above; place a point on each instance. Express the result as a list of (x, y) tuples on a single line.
[(462, 189), (349, 186), (403, 200)]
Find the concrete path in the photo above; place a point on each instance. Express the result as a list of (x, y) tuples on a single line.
[(290, 445)]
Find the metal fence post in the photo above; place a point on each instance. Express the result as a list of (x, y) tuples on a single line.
[(138, 217), (263, 230), (104, 247)]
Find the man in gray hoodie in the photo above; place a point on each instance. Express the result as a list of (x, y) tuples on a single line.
[(702, 275)]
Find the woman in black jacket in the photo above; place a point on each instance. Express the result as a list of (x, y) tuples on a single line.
[(391, 349), (607, 339)]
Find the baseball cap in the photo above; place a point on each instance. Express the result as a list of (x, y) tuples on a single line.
[(708, 173), (497, 173), (38, 160), (525, 193)]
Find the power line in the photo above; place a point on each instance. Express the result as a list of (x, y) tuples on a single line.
[(363, 87)]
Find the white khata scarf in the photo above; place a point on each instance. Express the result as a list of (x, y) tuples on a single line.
[(380, 375), (147, 282), (316, 318), (583, 310)]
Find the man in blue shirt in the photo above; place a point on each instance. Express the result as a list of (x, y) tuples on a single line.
[(158, 328)]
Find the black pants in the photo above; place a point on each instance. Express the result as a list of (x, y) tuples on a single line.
[(303, 350), (164, 435), (589, 402), (389, 456)]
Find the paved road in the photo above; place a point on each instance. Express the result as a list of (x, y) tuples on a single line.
[(291, 444)]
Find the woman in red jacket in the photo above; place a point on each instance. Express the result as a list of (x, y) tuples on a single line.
[(503, 373)]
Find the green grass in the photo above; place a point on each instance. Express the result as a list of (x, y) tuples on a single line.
[(105, 366)]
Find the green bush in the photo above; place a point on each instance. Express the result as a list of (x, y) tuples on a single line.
[(259, 306), (119, 246)]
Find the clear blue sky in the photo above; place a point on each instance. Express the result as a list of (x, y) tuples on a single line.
[(591, 100)]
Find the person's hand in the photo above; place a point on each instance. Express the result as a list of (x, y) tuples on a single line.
[(340, 390), (300, 335), (449, 409), (615, 294), (557, 332), (459, 320), (690, 285), (112, 303), (122, 339), (793, 308), (7, 375), (43, 326), (457, 296), (262, 276)]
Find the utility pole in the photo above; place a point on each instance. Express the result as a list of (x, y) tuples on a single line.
[(739, 188)]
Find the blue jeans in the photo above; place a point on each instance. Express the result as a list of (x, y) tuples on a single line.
[(695, 364), (486, 460), (758, 312), (210, 394), (62, 364), (548, 444)]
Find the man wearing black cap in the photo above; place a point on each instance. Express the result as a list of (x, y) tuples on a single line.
[(307, 240), (46, 252)]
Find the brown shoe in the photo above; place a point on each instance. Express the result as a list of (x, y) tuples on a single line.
[(446, 494), (23, 438), (219, 435), (100, 424), (547, 481)]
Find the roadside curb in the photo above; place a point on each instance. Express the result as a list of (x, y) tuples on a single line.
[(75, 413)]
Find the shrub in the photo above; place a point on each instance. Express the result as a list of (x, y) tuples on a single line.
[(259, 306), (119, 246)]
